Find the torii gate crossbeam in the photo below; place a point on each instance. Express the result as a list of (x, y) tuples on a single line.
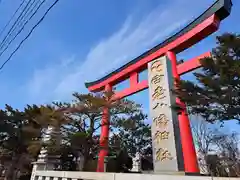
[(200, 28)]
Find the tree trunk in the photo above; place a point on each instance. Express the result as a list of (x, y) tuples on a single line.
[(11, 171), (85, 158)]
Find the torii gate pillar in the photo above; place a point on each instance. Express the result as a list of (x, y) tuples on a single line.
[(189, 153), (104, 137)]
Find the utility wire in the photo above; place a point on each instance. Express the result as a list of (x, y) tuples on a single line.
[(20, 19), (13, 27), (15, 22), (32, 30), (26, 14), (21, 28), (3, 43), (11, 18)]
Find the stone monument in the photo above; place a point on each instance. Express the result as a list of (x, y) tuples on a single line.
[(167, 150)]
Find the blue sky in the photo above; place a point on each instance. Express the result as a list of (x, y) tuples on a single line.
[(83, 40)]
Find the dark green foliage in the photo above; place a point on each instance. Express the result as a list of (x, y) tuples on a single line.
[(133, 133), (20, 128), (20, 136), (67, 161), (81, 133), (216, 95), (121, 163), (76, 129)]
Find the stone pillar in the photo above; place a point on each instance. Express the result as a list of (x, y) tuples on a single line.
[(167, 149), (136, 163)]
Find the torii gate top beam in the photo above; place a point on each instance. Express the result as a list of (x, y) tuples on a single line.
[(201, 27)]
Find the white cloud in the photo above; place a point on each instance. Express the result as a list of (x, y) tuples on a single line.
[(134, 37)]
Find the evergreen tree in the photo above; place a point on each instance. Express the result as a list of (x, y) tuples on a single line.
[(216, 95), (133, 134), (85, 113), (76, 131), (21, 136)]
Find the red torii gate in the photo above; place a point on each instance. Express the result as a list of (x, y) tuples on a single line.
[(201, 27)]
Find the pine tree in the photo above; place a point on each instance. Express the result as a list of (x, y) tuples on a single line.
[(85, 113), (21, 135), (133, 134), (76, 130), (216, 95)]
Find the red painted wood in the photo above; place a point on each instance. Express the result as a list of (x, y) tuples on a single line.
[(133, 79), (191, 64), (189, 153), (198, 33), (104, 136), (183, 68), (131, 90)]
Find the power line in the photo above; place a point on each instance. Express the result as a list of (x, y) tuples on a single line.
[(3, 43), (26, 14), (15, 22), (21, 28), (10, 18), (20, 19), (32, 30)]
